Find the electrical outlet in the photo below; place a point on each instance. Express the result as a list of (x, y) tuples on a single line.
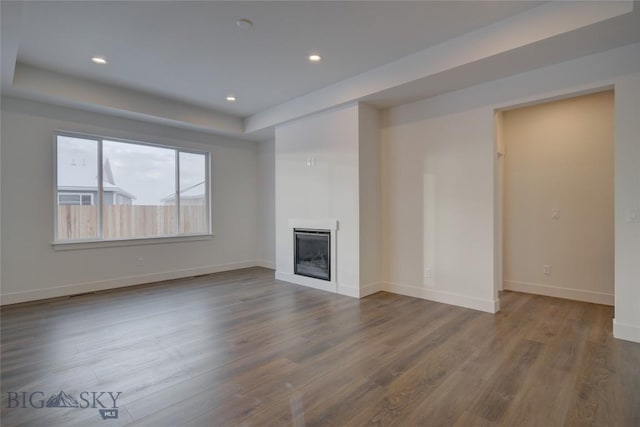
[(546, 269), (555, 213), (427, 273), (140, 261), (633, 215)]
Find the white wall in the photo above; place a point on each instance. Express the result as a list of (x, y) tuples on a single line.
[(267, 203), (438, 181), (32, 269), (499, 203), (369, 198), (438, 196), (559, 155), (627, 196), (326, 189)]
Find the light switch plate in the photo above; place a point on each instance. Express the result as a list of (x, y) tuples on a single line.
[(633, 215)]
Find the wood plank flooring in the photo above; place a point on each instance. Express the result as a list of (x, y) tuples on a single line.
[(242, 349)]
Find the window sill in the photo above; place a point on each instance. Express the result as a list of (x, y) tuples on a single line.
[(92, 244)]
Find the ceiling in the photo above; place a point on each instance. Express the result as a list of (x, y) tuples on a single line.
[(193, 54)]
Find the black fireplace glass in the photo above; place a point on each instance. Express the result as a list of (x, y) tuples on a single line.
[(312, 253)]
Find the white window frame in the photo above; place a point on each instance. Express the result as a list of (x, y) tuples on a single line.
[(100, 241)]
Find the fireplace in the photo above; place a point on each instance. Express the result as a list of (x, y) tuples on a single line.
[(312, 253)]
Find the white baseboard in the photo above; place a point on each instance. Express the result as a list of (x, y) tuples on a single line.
[(101, 285), (370, 289), (488, 306), (346, 290), (553, 291), (350, 291), (626, 332), (266, 264), (307, 281), (358, 292)]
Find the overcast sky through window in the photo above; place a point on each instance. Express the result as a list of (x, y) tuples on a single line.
[(147, 172)]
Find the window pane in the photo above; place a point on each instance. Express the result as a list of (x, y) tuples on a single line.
[(77, 170), (138, 190), (68, 199), (193, 194)]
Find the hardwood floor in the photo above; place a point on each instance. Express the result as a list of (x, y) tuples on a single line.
[(242, 349)]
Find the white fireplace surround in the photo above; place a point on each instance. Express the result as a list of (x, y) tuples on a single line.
[(330, 225)]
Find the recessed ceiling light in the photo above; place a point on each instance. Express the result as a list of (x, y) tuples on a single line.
[(244, 23), (314, 58), (99, 60), (231, 98)]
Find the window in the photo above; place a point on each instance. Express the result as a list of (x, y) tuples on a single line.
[(75, 199), (110, 189)]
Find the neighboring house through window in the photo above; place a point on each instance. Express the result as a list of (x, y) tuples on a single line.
[(75, 199), (77, 177), (191, 196)]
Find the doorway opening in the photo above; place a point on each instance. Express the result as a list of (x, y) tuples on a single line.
[(555, 198)]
